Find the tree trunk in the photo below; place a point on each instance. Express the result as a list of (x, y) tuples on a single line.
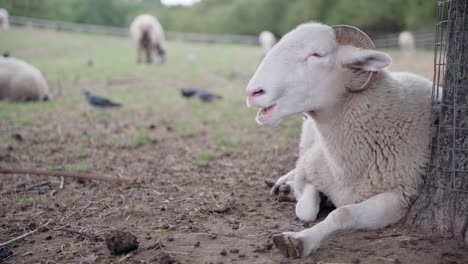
[(442, 207)]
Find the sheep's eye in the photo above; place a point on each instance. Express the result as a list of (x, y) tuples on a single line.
[(314, 54)]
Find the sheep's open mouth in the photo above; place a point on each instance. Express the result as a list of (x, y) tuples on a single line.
[(265, 112)]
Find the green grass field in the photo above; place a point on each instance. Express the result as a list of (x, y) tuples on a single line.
[(146, 91)]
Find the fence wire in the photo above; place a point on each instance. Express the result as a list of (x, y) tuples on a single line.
[(448, 168)]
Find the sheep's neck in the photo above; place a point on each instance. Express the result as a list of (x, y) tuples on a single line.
[(334, 131)]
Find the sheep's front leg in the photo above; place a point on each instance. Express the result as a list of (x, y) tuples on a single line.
[(285, 186), (377, 212), (308, 204)]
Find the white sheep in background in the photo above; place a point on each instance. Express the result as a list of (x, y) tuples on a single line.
[(148, 34), (366, 137), (20, 81), (4, 24), (267, 40), (406, 41)]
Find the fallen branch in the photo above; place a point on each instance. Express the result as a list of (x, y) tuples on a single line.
[(88, 176), (24, 235)]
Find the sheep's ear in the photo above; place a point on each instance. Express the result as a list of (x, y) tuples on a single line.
[(367, 60)]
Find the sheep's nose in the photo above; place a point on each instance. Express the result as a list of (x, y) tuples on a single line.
[(256, 92)]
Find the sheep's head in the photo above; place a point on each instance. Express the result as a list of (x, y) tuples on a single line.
[(311, 69)]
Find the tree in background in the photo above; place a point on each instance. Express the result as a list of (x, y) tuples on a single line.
[(237, 16), (103, 12), (442, 207)]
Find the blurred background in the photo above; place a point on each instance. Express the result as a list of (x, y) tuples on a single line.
[(236, 16)]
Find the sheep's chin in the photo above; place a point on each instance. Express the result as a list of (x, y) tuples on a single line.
[(268, 116)]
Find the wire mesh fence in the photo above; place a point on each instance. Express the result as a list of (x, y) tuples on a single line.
[(449, 160)]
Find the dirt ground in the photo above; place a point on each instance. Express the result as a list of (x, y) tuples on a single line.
[(200, 202), (218, 213)]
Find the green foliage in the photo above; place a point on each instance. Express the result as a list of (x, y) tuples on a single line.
[(204, 157), (140, 139), (102, 12), (237, 16), (23, 201)]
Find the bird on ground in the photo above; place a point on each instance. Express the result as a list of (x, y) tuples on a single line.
[(188, 92), (99, 102), (203, 95), (206, 96)]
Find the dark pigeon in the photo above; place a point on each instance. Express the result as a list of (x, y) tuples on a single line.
[(203, 95), (188, 92), (98, 101), (206, 96), (6, 54)]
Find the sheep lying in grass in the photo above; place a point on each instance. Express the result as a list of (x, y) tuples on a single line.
[(20, 81), (148, 34), (267, 40), (4, 24), (365, 140), (406, 41)]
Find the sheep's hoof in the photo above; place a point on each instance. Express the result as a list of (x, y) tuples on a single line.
[(288, 246), (284, 189)]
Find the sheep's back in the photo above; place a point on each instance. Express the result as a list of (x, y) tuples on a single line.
[(20, 81), (379, 143), (149, 24)]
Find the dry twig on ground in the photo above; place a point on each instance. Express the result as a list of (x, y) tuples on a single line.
[(88, 176), (24, 235)]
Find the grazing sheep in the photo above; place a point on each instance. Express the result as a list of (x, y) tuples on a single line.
[(267, 40), (4, 24), (406, 41), (365, 141), (20, 81), (148, 34)]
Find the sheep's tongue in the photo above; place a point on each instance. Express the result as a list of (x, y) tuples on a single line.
[(263, 113)]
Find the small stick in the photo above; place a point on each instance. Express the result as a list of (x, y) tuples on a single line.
[(62, 181), (24, 235), (30, 188), (88, 176), (126, 257)]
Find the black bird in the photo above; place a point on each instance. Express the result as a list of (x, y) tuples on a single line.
[(6, 54), (98, 101), (188, 92), (206, 96), (203, 95)]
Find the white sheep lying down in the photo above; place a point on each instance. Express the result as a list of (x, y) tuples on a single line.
[(20, 81), (148, 34), (365, 141)]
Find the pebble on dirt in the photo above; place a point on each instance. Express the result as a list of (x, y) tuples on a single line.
[(5, 253), (166, 259), (17, 136), (119, 242)]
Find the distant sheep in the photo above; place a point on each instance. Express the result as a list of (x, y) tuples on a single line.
[(148, 34), (20, 81), (406, 41), (365, 141), (4, 24), (267, 40)]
